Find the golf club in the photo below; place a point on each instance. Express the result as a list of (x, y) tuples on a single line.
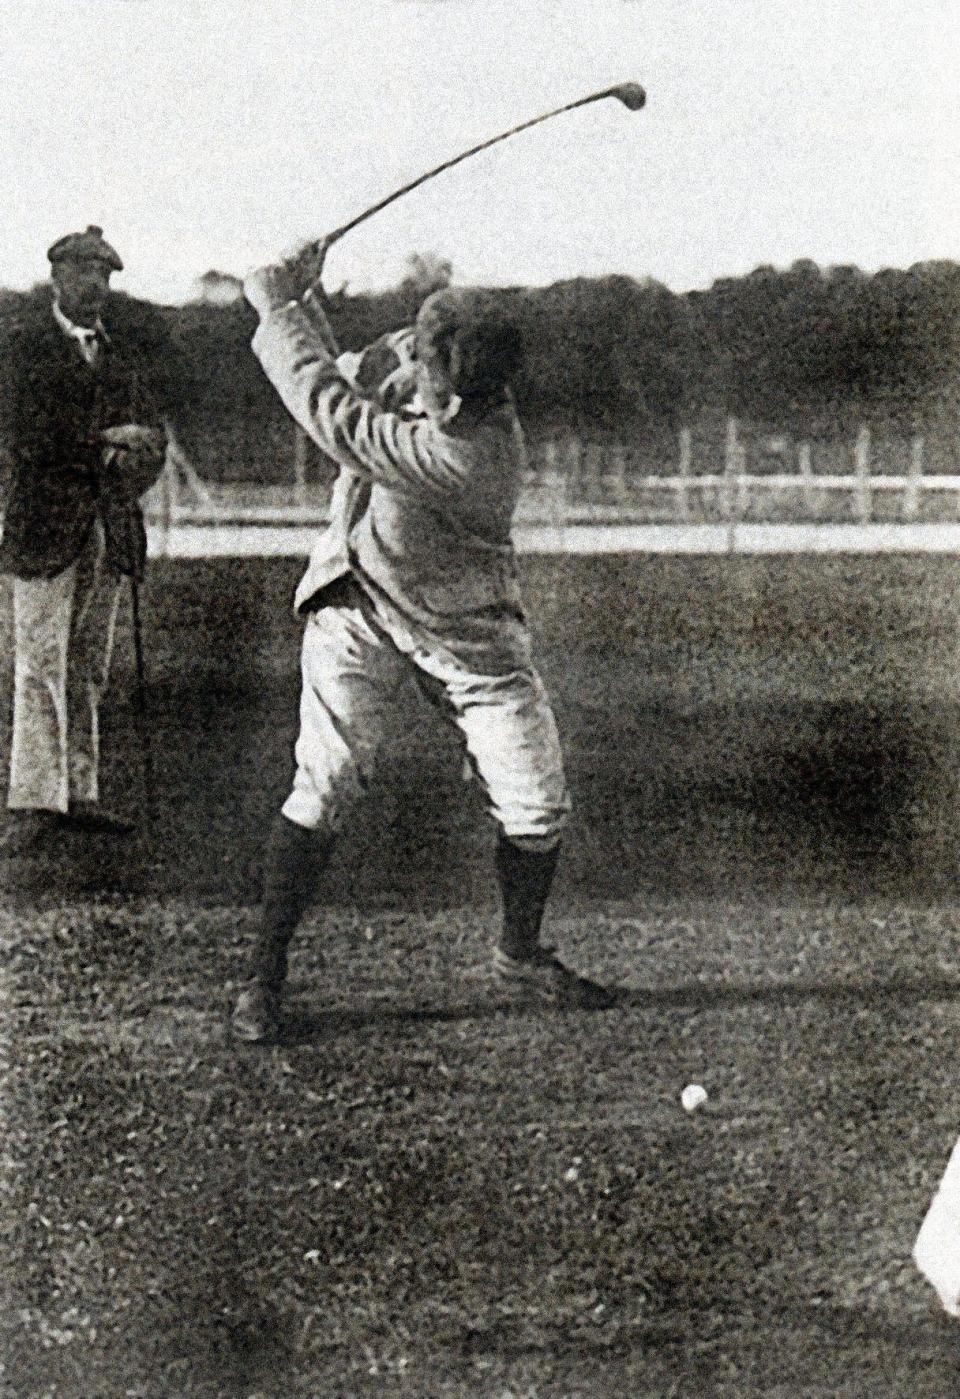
[(631, 95)]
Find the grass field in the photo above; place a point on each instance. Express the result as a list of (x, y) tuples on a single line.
[(428, 1190)]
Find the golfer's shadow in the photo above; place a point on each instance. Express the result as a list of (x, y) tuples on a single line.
[(303, 1025), (871, 991)]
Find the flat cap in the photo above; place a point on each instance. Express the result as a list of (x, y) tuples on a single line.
[(451, 309), (468, 328), (88, 246)]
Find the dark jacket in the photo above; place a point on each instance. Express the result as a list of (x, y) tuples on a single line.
[(56, 407)]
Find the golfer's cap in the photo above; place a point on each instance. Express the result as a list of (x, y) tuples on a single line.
[(473, 320), (88, 246), (452, 309)]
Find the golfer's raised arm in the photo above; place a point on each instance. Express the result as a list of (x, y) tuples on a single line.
[(293, 349)]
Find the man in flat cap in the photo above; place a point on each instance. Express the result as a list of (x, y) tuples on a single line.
[(87, 441), (414, 581)]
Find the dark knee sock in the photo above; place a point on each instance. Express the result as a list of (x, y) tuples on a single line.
[(293, 862), (525, 879)]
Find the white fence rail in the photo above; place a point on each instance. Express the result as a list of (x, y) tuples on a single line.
[(585, 498)]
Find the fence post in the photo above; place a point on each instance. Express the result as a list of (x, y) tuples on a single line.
[(160, 505), (805, 464), (552, 479), (861, 464), (911, 494), (301, 457), (735, 488), (734, 469), (182, 466), (169, 498), (731, 463), (618, 475), (684, 471), (743, 489), (574, 470), (593, 473)]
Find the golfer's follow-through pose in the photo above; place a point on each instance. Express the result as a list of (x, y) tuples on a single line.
[(414, 577)]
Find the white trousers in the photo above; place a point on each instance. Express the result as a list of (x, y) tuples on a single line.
[(352, 672), (63, 632)]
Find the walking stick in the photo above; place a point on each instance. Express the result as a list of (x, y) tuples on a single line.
[(138, 647), (143, 728)]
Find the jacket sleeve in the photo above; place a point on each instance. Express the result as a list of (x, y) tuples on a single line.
[(31, 428), (384, 447)]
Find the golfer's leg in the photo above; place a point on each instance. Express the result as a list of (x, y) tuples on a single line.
[(350, 675), (42, 609), (293, 862), (513, 743), (96, 606), (514, 747)]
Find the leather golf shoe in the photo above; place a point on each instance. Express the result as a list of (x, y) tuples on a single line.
[(545, 978), (256, 1015)]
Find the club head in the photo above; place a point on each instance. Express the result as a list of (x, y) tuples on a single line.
[(631, 95)]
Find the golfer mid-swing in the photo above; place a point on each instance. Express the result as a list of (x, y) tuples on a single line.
[(414, 577)]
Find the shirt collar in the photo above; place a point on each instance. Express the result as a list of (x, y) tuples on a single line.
[(80, 333)]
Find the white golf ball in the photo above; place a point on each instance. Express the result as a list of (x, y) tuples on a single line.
[(693, 1096)]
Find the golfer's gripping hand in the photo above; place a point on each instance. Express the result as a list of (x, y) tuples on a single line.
[(275, 286), (290, 279)]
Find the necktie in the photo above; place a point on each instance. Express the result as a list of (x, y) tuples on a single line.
[(91, 343)]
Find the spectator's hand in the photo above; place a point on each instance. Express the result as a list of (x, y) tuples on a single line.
[(134, 437)]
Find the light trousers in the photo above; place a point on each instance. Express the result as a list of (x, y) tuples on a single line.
[(63, 635), (352, 674)]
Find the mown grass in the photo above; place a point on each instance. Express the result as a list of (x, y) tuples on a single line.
[(781, 725), (426, 1190)]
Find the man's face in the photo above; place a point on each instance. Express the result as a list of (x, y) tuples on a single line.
[(82, 288)]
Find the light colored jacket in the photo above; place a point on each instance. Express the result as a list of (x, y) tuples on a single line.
[(420, 514)]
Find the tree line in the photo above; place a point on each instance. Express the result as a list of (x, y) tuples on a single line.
[(810, 352)]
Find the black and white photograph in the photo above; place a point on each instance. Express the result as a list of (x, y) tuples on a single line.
[(479, 699)]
